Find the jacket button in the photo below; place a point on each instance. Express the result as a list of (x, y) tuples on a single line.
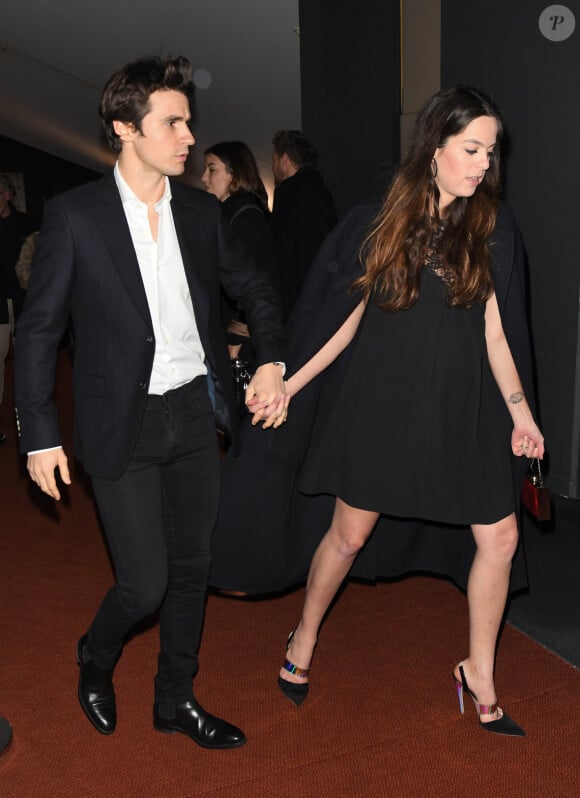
[(149, 339), (142, 385)]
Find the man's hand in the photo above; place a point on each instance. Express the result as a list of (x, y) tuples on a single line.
[(266, 396), (41, 467)]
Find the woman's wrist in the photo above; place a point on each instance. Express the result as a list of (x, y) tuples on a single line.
[(290, 386), (516, 398), (519, 408)]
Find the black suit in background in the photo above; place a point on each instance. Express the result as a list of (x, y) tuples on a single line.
[(249, 218), (154, 460), (13, 230), (303, 214)]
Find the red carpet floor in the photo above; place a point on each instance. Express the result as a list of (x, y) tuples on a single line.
[(381, 720)]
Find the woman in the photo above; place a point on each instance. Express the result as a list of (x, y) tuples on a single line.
[(231, 174), (420, 428)]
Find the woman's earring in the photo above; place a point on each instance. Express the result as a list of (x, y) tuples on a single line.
[(433, 168)]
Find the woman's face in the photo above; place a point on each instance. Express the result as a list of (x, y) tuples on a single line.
[(216, 177), (464, 159)]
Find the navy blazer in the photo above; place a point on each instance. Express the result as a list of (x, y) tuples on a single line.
[(85, 264)]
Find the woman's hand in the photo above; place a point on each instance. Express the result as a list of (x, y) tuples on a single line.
[(266, 396), (527, 440)]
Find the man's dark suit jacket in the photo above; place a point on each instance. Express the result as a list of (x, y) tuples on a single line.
[(85, 264), (302, 216)]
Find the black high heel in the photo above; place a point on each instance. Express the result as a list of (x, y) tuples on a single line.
[(504, 725), (294, 692)]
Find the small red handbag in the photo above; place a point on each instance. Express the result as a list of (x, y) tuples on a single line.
[(536, 495)]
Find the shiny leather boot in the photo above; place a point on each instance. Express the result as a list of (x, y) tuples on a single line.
[(96, 692), (191, 719)]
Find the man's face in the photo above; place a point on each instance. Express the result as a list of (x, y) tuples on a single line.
[(162, 146)]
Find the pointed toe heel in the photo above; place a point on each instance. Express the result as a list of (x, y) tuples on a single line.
[(294, 691), (502, 725)]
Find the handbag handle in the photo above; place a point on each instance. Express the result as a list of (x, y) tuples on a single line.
[(537, 479)]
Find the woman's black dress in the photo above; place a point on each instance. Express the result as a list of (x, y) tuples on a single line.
[(268, 528), (419, 428)]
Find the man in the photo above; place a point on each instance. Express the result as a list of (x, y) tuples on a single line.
[(13, 231), (303, 212), (136, 258)]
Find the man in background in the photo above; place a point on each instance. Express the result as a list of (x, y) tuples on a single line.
[(303, 212), (13, 231)]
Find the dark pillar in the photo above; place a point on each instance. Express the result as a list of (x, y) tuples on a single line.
[(499, 47), (351, 92)]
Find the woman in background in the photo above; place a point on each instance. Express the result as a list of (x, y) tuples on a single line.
[(231, 174)]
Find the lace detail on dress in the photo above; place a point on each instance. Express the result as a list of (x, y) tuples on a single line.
[(433, 260)]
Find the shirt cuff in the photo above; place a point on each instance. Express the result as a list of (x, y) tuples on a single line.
[(39, 451), (280, 363)]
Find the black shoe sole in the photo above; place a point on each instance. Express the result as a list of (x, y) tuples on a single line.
[(177, 730)]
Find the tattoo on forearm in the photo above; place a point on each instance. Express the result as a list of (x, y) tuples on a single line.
[(515, 398)]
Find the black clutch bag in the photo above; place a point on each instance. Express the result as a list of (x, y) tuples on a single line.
[(241, 375), (536, 495)]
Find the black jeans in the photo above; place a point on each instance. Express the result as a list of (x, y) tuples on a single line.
[(158, 519)]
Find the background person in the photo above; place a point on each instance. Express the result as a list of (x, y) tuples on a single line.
[(14, 227), (24, 262), (231, 174), (303, 211)]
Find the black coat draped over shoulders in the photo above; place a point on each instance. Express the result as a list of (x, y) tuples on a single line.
[(267, 529)]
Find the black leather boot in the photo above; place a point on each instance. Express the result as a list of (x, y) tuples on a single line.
[(96, 692), (189, 718)]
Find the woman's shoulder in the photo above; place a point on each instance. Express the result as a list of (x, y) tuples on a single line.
[(506, 220), (242, 202)]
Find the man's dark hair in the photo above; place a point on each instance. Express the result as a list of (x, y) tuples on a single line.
[(127, 92), (297, 147)]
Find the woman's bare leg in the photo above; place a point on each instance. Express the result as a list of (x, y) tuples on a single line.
[(487, 591), (333, 559)]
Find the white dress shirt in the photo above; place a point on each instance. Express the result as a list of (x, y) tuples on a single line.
[(179, 355)]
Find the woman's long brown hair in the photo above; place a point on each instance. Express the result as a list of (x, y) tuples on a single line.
[(398, 244)]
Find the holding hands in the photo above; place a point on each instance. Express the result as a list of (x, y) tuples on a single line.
[(266, 396)]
